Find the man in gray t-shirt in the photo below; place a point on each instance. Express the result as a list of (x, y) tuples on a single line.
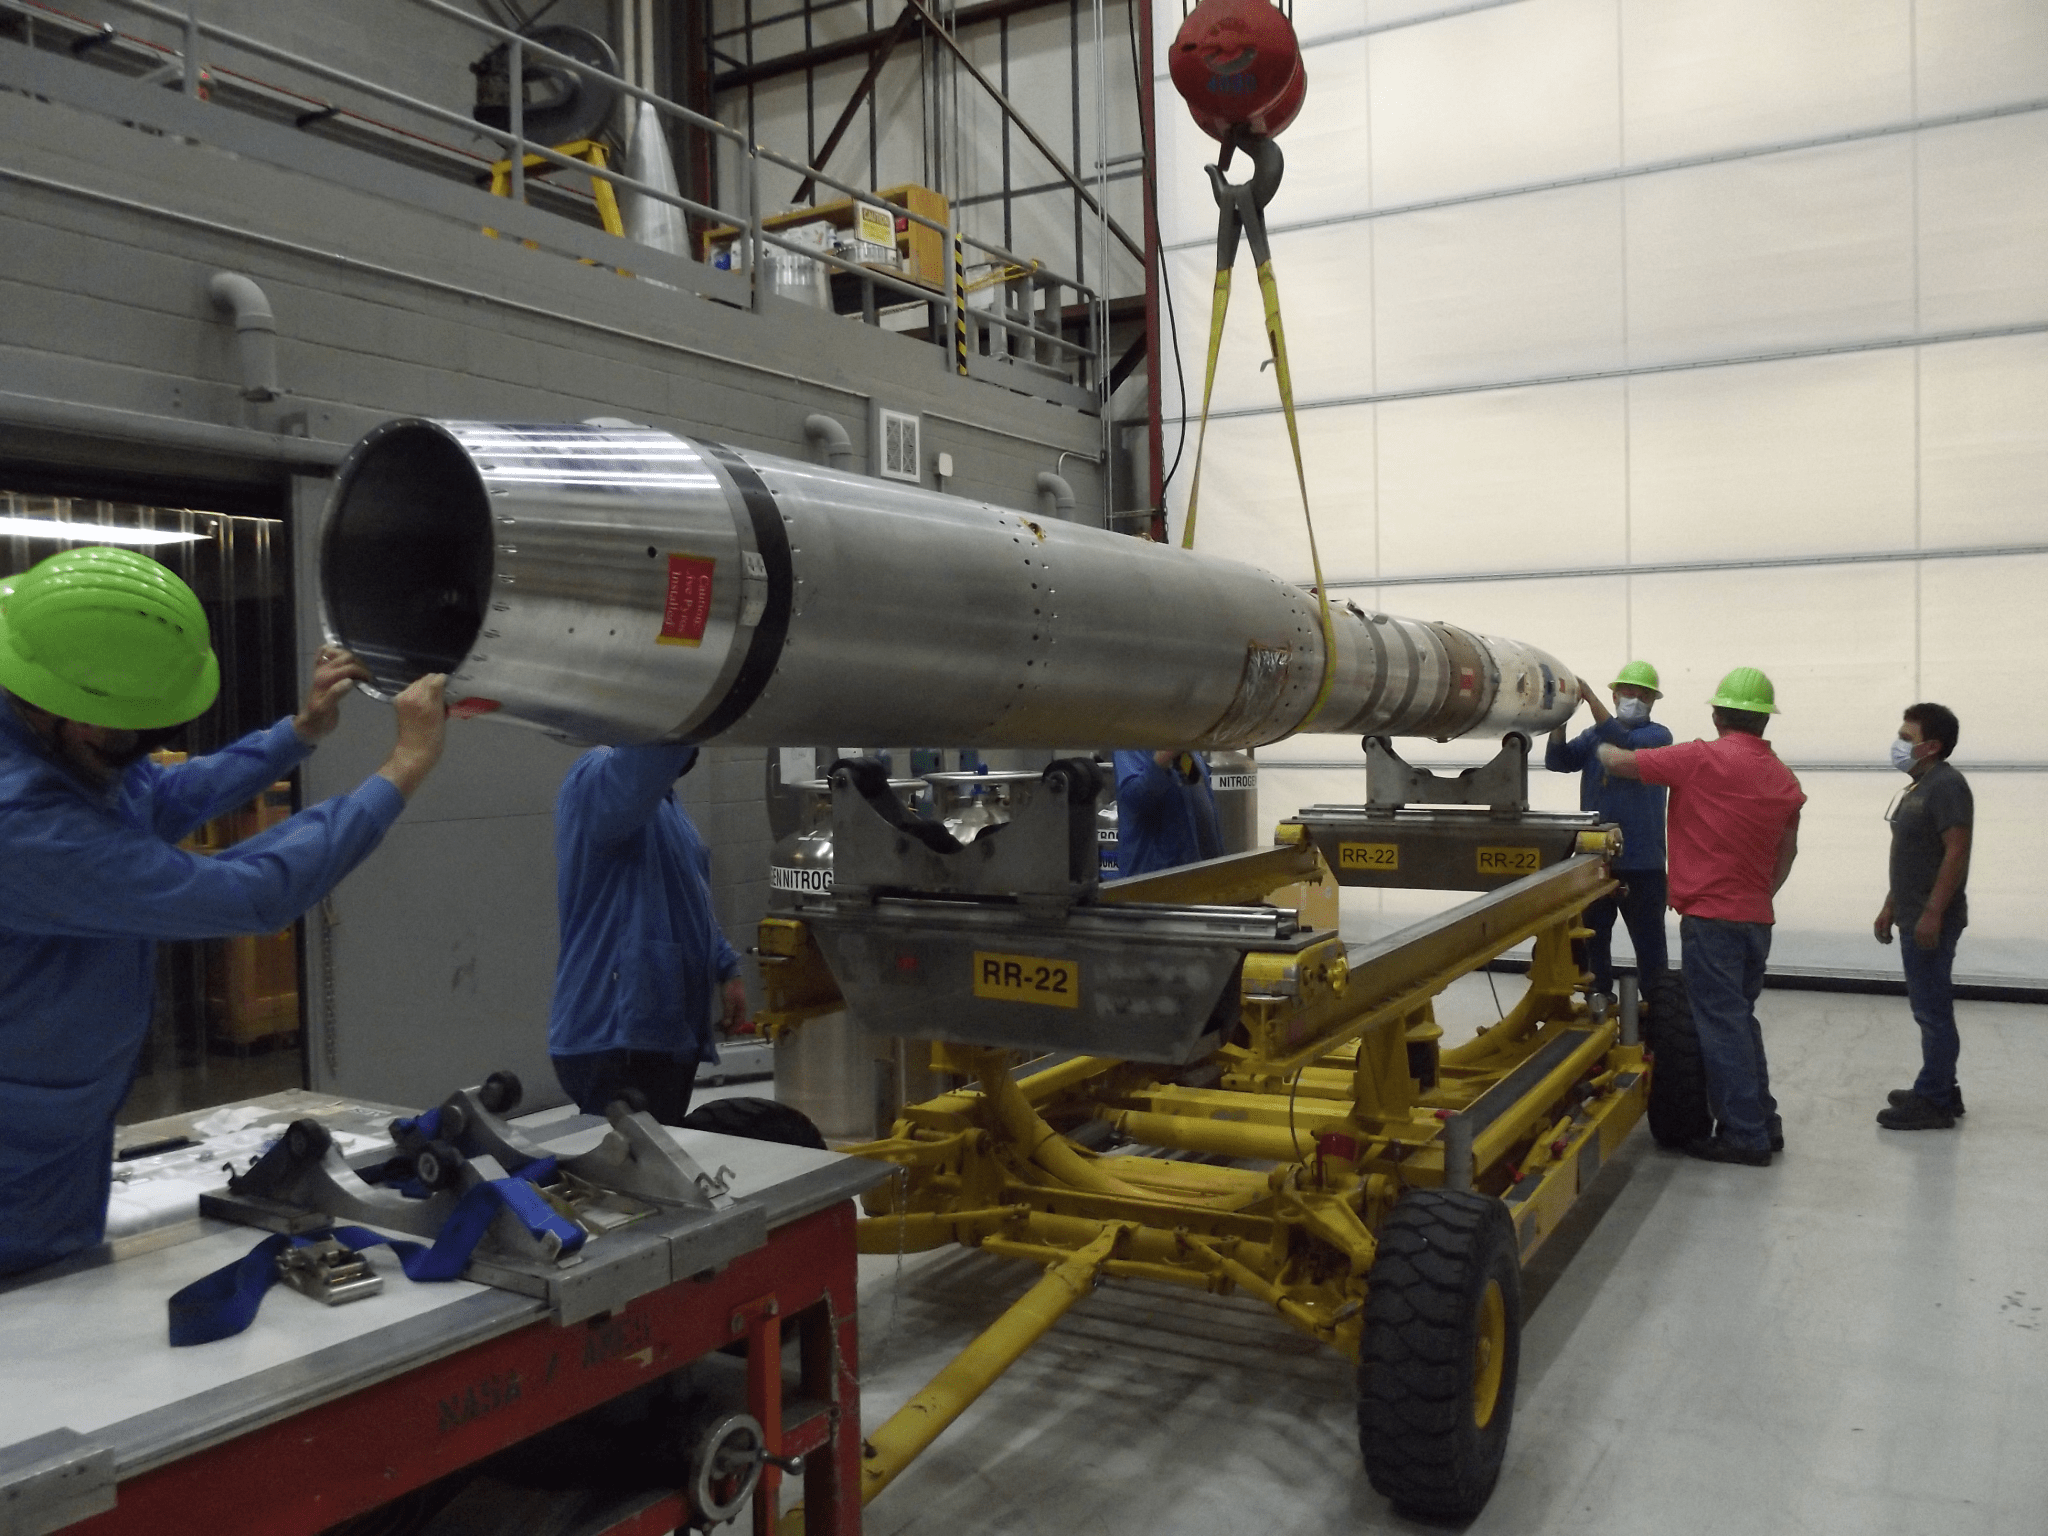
[(1930, 864)]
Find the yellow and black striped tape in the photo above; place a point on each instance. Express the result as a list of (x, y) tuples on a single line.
[(959, 304)]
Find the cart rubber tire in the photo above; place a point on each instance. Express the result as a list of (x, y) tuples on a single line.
[(1678, 1073), (1442, 1342), (757, 1120)]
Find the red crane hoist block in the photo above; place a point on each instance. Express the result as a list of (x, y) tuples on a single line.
[(1239, 66)]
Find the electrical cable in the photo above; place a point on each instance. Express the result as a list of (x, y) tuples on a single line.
[(1496, 994), (1165, 280)]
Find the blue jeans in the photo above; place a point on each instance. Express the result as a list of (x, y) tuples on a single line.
[(595, 1078), (1640, 904), (1931, 991), (1724, 972)]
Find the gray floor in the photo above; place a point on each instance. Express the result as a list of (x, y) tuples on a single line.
[(1850, 1341)]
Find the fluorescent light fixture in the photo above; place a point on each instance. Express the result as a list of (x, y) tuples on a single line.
[(91, 533)]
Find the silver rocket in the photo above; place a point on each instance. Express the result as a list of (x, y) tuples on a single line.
[(618, 584)]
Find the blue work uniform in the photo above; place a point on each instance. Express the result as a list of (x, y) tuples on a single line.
[(1638, 808), (1161, 819), (89, 880), (640, 943)]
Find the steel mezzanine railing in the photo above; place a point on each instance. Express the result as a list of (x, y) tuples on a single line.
[(1026, 327)]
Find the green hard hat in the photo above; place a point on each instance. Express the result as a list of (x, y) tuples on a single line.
[(106, 637), (1747, 689), (1638, 674)]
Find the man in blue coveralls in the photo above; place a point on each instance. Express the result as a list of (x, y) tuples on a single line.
[(1638, 809), (640, 943), (1165, 812), (102, 651)]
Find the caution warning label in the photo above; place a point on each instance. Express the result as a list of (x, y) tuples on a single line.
[(688, 608)]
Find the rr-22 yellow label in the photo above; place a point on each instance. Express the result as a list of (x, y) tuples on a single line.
[(1510, 861), (1027, 979), (1368, 855)]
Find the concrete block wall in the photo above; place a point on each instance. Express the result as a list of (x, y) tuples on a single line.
[(434, 963), (390, 301)]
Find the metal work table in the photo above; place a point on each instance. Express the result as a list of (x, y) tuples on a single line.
[(318, 1413)]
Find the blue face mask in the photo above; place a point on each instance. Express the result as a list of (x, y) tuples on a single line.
[(1902, 755), (1631, 711)]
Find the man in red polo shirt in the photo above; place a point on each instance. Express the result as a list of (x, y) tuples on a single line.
[(1733, 827)]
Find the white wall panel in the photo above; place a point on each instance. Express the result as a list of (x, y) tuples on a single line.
[(1983, 632), (1824, 250), (1381, 13), (1187, 208), (1837, 641), (1838, 881), (1838, 884), (1984, 223), (1584, 623), (1486, 482), (1769, 254), (2008, 852), (1979, 53), (1984, 442), (1776, 459), (1702, 75), (1249, 513), (1499, 290), (1523, 93), (1329, 167), (1324, 277)]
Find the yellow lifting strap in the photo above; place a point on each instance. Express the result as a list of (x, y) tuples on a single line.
[(1241, 209)]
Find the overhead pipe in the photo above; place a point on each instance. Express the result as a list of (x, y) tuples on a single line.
[(1062, 494), (107, 421), (255, 331), (624, 584), (827, 435)]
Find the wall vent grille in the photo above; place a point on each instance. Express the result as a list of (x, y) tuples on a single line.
[(901, 457)]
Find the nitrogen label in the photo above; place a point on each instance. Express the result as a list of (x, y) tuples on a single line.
[(1510, 861), (1368, 855), (1027, 979), (1222, 782), (804, 881)]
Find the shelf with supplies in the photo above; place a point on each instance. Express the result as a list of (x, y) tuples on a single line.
[(920, 253)]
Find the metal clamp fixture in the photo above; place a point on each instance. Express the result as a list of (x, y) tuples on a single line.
[(1045, 851), (328, 1272), (303, 1182), (1501, 785)]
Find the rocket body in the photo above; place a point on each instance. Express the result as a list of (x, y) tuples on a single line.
[(624, 584)]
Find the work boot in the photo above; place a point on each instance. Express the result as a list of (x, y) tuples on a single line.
[(1899, 1098), (1774, 1130), (1712, 1149), (1915, 1114)]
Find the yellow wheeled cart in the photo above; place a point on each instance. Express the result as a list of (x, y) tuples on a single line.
[(1378, 1189)]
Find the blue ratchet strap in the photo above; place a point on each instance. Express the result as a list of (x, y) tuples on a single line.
[(222, 1304), (428, 1124)]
